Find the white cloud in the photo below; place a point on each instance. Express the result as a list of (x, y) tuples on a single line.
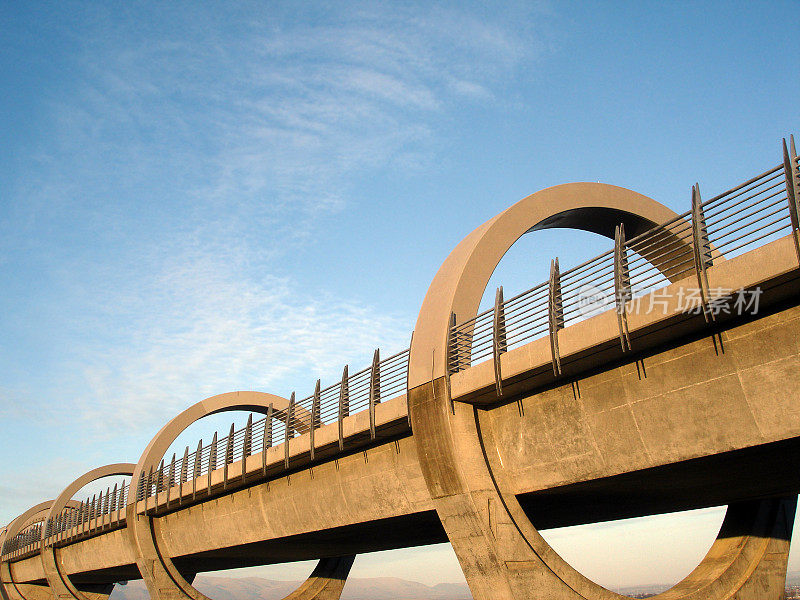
[(199, 327), (196, 161)]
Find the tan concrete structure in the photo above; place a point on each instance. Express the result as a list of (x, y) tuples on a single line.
[(616, 415)]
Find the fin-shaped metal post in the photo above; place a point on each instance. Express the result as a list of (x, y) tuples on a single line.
[(198, 454), (315, 401), (99, 516), (228, 457), (114, 506), (499, 343), (266, 441), (185, 467), (86, 516), (247, 445), (701, 248), (792, 191), (160, 480), (622, 286), (149, 489), (408, 371), (555, 306), (107, 506), (212, 460), (374, 389), (344, 405), (92, 512), (170, 477), (452, 348), (183, 474), (288, 430)]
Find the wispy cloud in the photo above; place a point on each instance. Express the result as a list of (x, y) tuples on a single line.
[(199, 327), (190, 159)]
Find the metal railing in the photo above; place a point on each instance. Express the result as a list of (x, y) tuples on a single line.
[(747, 216), (97, 513), (363, 390)]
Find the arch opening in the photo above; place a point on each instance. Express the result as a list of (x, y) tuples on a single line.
[(642, 556)]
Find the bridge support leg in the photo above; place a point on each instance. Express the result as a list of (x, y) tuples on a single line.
[(9, 590), (62, 586), (326, 581), (504, 557), (165, 582)]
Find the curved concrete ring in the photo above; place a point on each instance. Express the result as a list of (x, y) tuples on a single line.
[(461, 280), (515, 561), (157, 569), (59, 582), (30, 516)]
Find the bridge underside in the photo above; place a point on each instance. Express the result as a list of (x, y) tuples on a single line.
[(741, 475)]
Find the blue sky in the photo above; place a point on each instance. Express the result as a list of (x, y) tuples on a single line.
[(197, 199)]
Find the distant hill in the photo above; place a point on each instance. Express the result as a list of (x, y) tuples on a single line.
[(256, 588)]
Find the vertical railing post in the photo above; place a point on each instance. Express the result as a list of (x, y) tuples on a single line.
[(198, 457), (107, 506), (701, 248), (98, 511), (160, 480), (622, 286), (122, 500), (452, 349), (228, 458), (85, 516), (344, 405), (499, 343), (288, 431), (113, 503), (149, 490), (212, 460), (555, 307), (247, 445), (792, 191), (266, 440), (315, 401), (184, 473), (374, 390), (170, 477), (185, 467), (408, 372), (92, 512)]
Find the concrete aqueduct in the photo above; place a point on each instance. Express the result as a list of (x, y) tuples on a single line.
[(672, 384)]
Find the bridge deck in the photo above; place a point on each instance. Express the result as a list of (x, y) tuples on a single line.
[(679, 398)]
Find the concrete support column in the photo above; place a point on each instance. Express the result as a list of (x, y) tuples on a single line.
[(505, 558), (165, 582), (21, 591), (62, 586)]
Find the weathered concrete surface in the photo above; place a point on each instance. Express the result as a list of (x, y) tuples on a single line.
[(668, 407), (379, 483)]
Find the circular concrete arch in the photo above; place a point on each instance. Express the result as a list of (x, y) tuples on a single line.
[(19, 524), (502, 554), (461, 280), (162, 577), (28, 517), (33, 515), (60, 582), (257, 402)]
